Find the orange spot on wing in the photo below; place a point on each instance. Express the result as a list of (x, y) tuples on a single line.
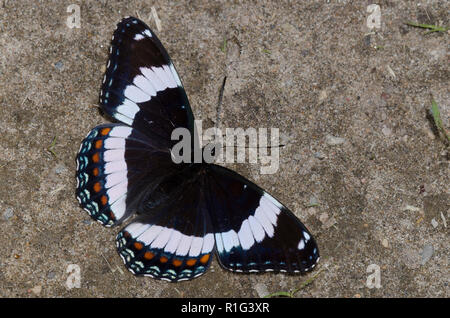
[(126, 234), (112, 216), (191, 262), (98, 144), (177, 262), (96, 157), (104, 199), (204, 259), (105, 131), (163, 259), (97, 187), (149, 255), (138, 245), (95, 172)]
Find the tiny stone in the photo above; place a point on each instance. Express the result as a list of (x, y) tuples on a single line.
[(304, 53), (323, 217), (59, 65), (385, 243), (443, 220), (51, 275), (430, 134), (36, 290), (411, 208), (333, 141), (434, 223), (60, 168), (323, 95), (327, 221), (9, 213), (427, 253), (319, 155), (284, 139), (313, 201), (386, 131), (261, 290), (367, 40)]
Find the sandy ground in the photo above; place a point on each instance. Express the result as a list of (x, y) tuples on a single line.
[(361, 166)]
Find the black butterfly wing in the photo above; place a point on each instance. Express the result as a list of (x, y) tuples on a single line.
[(141, 87), (253, 231), (120, 165), (127, 168), (172, 242), (117, 166)]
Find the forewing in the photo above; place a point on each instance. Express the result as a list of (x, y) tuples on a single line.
[(141, 87)]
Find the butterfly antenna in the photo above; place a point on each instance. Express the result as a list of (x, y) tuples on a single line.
[(219, 102)]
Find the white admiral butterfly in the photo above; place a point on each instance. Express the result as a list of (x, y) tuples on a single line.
[(184, 211)]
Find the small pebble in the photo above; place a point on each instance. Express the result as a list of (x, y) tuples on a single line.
[(427, 253), (313, 201), (323, 95), (261, 290), (323, 217), (411, 208), (319, 155), (9, 213), (434, 223), (36, 290), (333, 141), (443, 220), (367, 40), (327, 221), (430, 134), (385, 243), (60, 169), (59, 65), (386, 131), (284, 139)]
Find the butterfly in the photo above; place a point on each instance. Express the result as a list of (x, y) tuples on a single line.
[(181, 214)]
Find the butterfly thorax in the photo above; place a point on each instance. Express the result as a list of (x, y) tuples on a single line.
[(173, 185)]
